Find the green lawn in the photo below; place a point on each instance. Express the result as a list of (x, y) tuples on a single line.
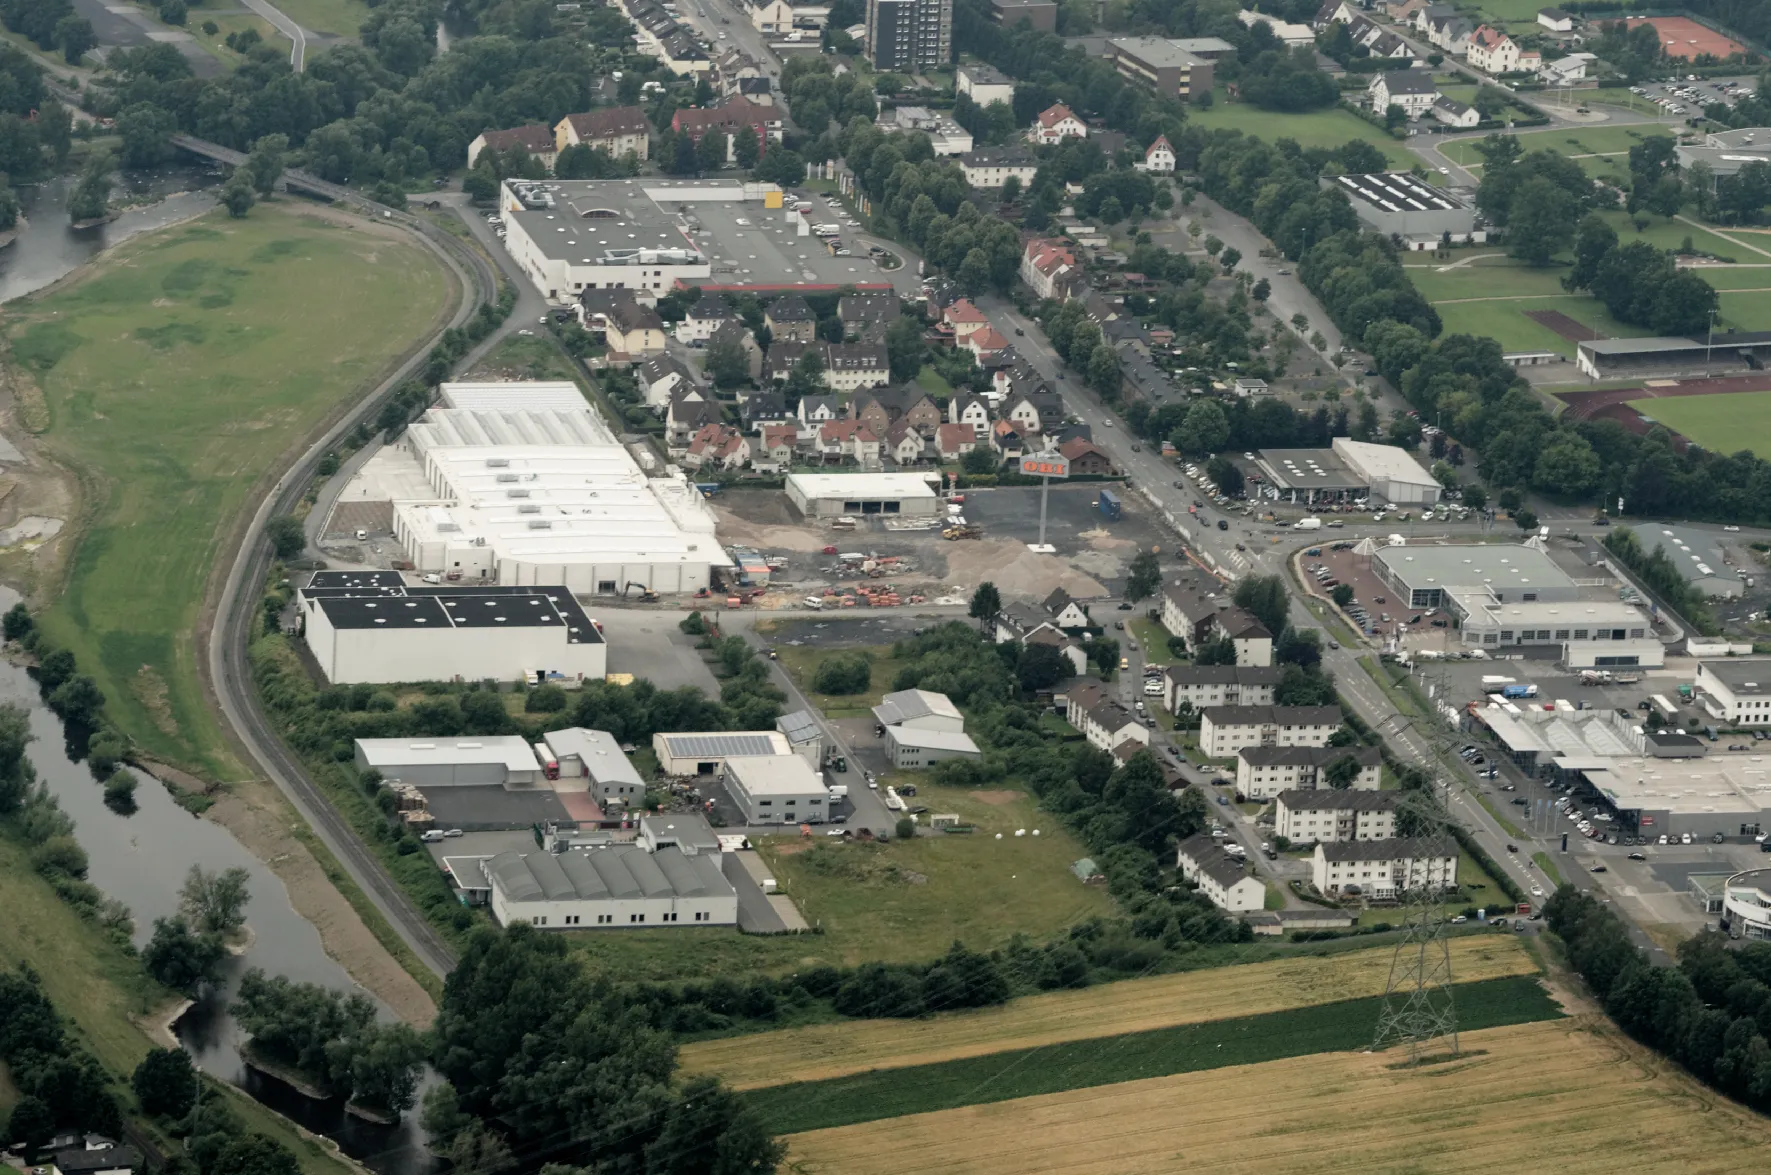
[(1152, 637), (1725, 424), (931, 381), (341, 18), (102, 991), (1605, 142), (1216, 1044), (910, 900), (1549, 868), (176, 376), (1318, 128), (1506, 322), (802, 664)]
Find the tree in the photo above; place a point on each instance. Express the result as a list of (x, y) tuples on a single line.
[(180, 958), (1475, 496), (215, 903), (1041, 667), (1263, 289), (1264, 598), (710, 150), (288, 538), (979, 461), (844, 673), (147, 132), (78, 701), (1144, 578), (1592, 241), (905, 348), (165, 1083), (1213, 246), (1342, 594), (986, 603), (748, 149), (75, 36), (1229, 258), (1341, 773), (92, 195), (1205, 429), (384, 1061), (1011, 189), (237, 195), (727, 364), (32, 1122), (1217, 651), (480, 184), (120, 791), (1540, 220), (709, 1130), (1567, 466), (1225, 474), (265, 165), (1525, 520), (174, 11)]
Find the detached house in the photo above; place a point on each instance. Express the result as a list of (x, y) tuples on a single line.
[(1035, 411), (628, 329), (615, 129), (733, 332), (783, 357), (1492, 51), (904, 444), (1055, 124), (1453, 113), (789, 319), (972, 411), (953, 441), (1065, 611), (717, 446), (687, 415), (988, 346), (660, 377), (848, 366), (1085, 458), (1412, 89), (1006, 439), (817, 410), (708, 313), (1160, 157), (1224, 880)]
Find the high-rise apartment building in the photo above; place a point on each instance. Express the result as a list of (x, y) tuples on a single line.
[(904, 36)]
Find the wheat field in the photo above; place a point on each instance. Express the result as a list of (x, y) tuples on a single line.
[(823, 1051), (1566, 1096)]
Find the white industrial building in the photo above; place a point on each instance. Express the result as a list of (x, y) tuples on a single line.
[(524, 484), (1325, 814), (919, 709), (1225, 730), (1736, 690), (804, 735), (1383, 868), (1225, 881), (910, 747), (486, 760), (595, 756), (1589, 624), (670, 876), (1702, 557), (1264, 772), (690, 753), (1506, 572), (827, 495), (777, 789), (371, 627), (1389, 472), (1746, 905)]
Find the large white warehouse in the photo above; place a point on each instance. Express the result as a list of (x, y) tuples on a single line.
[(826, 495), (371, 627), (519, 487), (1389, 472)]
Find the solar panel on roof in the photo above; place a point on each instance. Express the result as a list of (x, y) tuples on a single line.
[(719, 746)]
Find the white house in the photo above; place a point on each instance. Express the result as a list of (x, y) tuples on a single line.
[(1224, 730), (1225, 881), (1200, 686), (991, 167), (1252, 641), (772, 16), (1555, 20), (1572, 68), (1264, 772), (1325, 815), (1492, 51), (1412, 89), (1055, 124), (1106, 724), (1383, 868), (1453, 113), (984, 84), (1065, 611), (1160, 157), (1736, 690), (708, 314), (1047, 265)]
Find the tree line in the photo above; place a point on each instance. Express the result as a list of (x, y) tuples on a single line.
[(332, 1040)]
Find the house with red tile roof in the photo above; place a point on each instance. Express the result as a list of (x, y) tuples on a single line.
[(1086, 458), (1055, 124), (848, 439), (987, 344), (964, 318), (1048, 266), (717, 446), (537, 140), (953, 441), (615, 129)]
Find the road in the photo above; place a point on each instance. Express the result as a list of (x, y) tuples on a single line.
[(296, 34)]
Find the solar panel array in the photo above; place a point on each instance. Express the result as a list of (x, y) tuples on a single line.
[(719, 746), (1398, 193)]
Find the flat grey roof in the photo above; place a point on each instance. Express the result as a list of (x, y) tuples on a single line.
[(1157, 52), (1506, 565), (614, 872), (600, 222), (1309, 469), (1744, 675), (1698, 554)]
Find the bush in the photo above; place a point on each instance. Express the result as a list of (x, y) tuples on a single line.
[(906, 828), (844, 673)]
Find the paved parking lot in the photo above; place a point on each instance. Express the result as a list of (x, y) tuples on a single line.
[(1700, 93), (649, 644)]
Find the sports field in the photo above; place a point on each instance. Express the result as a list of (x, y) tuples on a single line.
[(1598, 148), (1568, 1096), (1722, 424), (824, 1051), (1317, 128), (175, 373)]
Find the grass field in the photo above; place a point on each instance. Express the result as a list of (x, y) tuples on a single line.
[(174, 376), (802, 663), (341, 18), (1218, 1044), (911, 900), (1549, 1096), (1318, 128), (1723, 424), (825, 1051), (1600, 144), (103, 991)]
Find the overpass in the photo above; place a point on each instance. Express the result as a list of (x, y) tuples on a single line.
[(293, 178)]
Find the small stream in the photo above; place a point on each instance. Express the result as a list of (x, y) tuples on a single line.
[(142, 859), (48, 248)]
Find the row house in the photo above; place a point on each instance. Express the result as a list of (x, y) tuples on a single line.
[(971, 411), (1384, 868), (728, 119), (1055, 124), (629, 330), (775, 448), (1264, 772), (988, 347), (614, 129), (1378, 41), (1414, 90), (851, 366), (953, 441), (1220, 877), (757, 408), (782, 358), (1444, 29), (1326, 816), (1225, 730), (1200, 686), (718, 447), (789, 319), (963, 320), (886, 406), (1048, 266), (707, 315), (903, 444)]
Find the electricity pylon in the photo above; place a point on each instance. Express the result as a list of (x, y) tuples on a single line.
[(1418, 1010)]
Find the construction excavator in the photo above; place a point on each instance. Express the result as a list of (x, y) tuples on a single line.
[(647, 595)]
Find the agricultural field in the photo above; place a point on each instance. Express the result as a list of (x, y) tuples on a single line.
[(1317, 128), (1548, 1096), (911, 900), (825, 1051), (1114, 1060), (1723, 424), (172, 376)]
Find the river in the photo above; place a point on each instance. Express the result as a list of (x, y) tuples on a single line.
[(142, 859), (48, 248)]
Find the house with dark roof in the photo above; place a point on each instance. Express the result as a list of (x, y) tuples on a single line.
[(733, 332), (884, 406), (94, 1154), (849, 366), (1067, 646), (763, 407), (1384, 868), (971, 410), (861, 313), (535, 139), (1085, 458), (686, 416), (904, 444), (1200, 686), (1225, 730), (660, 376), (1065, 611), (629, 329), (789, 318), (1264, 772), (703, 318), (1219, 877), (1327, 814), (784, 355), (816, 410)]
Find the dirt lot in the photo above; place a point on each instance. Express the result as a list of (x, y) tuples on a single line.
[(1092, 552)]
